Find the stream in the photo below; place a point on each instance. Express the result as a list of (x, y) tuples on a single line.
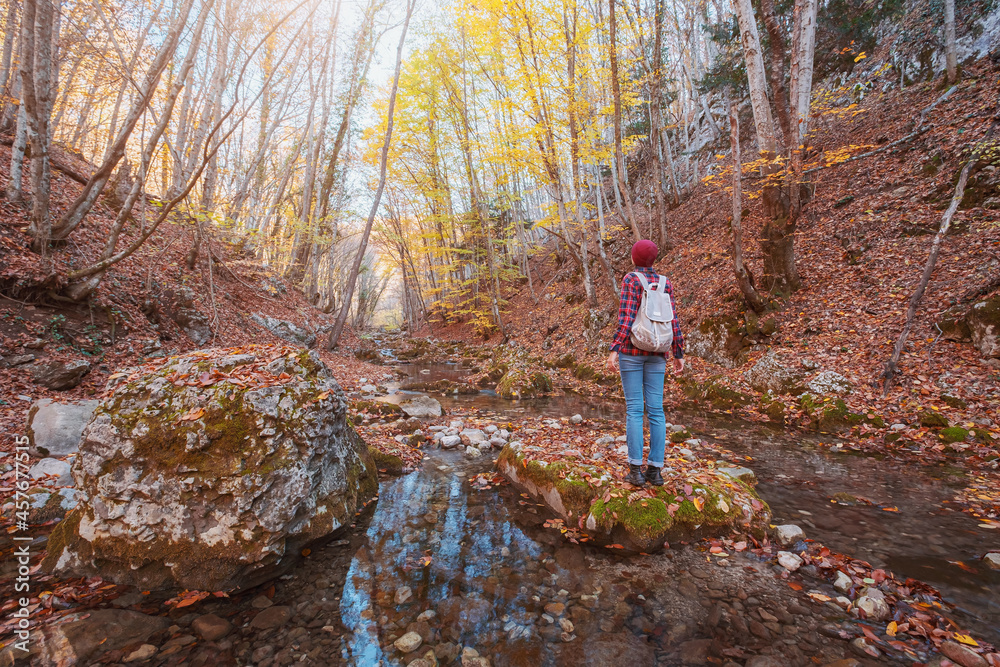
[(893, 515)]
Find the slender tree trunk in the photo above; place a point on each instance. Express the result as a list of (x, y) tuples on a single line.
[(743, 278), (15, 186), (338, 327), (777, 73), (951, 59), (10, 31), (616, 93), (38, 87), (655, 123)]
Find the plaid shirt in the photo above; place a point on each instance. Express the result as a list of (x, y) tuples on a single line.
[(629, 308)]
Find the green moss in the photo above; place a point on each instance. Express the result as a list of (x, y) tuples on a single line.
[(931, 419), (954, 402), (680, 436), (953, 434), (565, 361), (584, 372), (393, 465), (643, 518)]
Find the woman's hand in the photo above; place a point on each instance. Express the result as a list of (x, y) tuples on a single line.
[(678, 365), (612, 362)]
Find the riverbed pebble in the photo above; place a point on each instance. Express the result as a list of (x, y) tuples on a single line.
[(788, 534), (789, 561), (992, 560), (409, 642), (842, 583)]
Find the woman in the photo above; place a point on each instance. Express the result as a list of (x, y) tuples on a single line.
[(642, 372)]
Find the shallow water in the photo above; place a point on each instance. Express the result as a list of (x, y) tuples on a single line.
[(898, 516)]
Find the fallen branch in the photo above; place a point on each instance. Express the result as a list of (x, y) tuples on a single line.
[(892, 366), (8, 140)]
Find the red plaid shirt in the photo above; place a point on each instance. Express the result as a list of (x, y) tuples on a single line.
[(629, 308)]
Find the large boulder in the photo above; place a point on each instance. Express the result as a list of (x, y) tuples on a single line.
[(285, 330), (213, 472), (60, 375), (54, 429), (984, 326), (771, 374), (720, 340)]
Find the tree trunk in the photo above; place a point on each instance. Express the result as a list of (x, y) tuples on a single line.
[(743, 278), (616, 94), (15, 186), (38, 88), (778, 92), (951, 58), (338, 327), (655, 123)]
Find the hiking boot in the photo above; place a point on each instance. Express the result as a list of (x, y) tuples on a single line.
[(635, 477), (653, 476)]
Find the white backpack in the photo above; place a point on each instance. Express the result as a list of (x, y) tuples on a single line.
[(653, 329)]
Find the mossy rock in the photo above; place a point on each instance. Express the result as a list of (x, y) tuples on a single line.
[(829, 414), (377, 408), (680, 436), (930, 419), (566, 361), (389, 463), (953, 434), (519, 383), (584, 372), (714, 392), (954, 402), (775, 410), (718, 504)]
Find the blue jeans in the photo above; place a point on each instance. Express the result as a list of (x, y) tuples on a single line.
[(642, 378)]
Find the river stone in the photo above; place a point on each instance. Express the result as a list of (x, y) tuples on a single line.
[(60, 375), (789, 534), (771, 374), (472, 436), (450, 441), (421, 406), (272, 617), (285, 330), (789, 561), (963, 655), (409, 642), (144, 652), (212, 487), (54, 429), (992, 560), (55, 467), (874, 606), (83, 636), (842, 583), (608, 648), (211, 627), (740, 473)]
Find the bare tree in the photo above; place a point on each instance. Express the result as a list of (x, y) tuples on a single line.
[(338, 327)]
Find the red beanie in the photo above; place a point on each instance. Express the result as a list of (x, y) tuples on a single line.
[(644, 253)]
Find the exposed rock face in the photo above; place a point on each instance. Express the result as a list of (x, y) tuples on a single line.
[(60, 375), (54, 429), (718, 340), (211, 471), (190, 319), (770, 374), (984, 326), (285, 330)]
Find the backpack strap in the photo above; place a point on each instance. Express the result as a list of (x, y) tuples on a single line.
[(642, 279)]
